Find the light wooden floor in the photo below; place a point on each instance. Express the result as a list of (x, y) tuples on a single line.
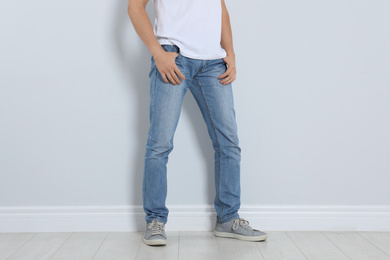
[(195, 245)]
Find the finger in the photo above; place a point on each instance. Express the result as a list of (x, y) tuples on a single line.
[(223, 75), (178, 72), (231, 80), (164, 77), (171, 79), (228, 82), (231, 72), (175, 78), (225, 80)]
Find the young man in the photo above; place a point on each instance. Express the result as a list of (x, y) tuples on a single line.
[(192, 48)]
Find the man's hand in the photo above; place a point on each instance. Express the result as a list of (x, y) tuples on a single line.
[(230, 73), (166, 65)]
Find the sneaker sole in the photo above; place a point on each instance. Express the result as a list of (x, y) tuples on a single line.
[(241, 237), (155, 242)]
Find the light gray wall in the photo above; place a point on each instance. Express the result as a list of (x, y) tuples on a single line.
[(312, 103)]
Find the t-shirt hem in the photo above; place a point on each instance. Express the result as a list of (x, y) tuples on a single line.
[(167, 41), (203, 57)]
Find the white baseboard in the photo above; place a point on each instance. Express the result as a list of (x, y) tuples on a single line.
[(195, 218)]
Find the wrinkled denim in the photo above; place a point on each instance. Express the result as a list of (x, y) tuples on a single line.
[(215, 101)]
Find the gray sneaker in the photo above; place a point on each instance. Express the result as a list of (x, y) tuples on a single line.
[(239, 228), (155, 234)]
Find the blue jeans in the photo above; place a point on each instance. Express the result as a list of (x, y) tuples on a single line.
[(215, 101)]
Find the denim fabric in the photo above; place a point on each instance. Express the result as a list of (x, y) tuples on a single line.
[(215, 101)]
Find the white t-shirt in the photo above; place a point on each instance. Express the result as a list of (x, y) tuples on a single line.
[(193, 25)]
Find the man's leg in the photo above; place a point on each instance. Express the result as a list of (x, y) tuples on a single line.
[(215, 101), (165, 107)]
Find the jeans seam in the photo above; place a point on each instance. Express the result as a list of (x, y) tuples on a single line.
[(154, 85), (219, 150)]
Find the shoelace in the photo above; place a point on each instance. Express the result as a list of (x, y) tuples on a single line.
[(240, 221), (156, 226)]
